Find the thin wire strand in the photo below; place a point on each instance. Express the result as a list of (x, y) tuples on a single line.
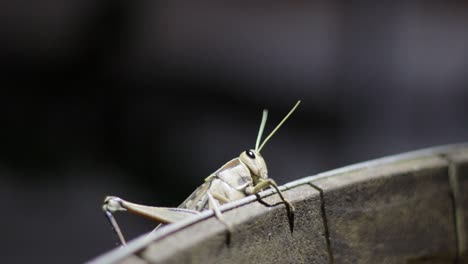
[(262, 127), (279, 125)]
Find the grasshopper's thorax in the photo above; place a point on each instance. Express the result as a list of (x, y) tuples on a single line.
[(256, 164)]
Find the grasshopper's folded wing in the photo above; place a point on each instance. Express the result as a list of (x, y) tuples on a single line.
[(198, 200)]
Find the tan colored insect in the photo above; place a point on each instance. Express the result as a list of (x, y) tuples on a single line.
[(238, 178)]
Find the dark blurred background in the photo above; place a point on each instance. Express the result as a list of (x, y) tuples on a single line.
[(144, 99)]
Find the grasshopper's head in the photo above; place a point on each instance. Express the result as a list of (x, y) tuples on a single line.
[(252, 157), (255, 163)]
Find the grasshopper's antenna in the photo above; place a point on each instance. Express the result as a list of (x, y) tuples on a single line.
[(278, 126), (262, 126)]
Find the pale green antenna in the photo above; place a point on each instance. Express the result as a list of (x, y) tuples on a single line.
[(274, 130), (262, 126)]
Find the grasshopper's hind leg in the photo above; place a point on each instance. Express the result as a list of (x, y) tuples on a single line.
[(112, 205), (164, 215)]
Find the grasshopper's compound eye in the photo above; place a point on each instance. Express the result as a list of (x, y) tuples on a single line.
[(250, 154)]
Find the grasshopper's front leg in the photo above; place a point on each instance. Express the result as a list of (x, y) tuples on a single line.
[(164, 215), (270, 183)]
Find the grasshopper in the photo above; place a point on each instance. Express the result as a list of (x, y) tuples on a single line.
[(238, 178)]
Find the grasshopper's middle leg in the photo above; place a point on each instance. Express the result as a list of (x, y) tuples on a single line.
[(212, 204)]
